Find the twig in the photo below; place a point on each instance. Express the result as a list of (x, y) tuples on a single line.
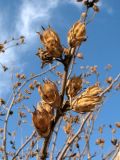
[(11, 105), (61, 155), (117, 151), (28, 155), (110, 86), (55, 138), (5, 129), (28, 140), (58, 114), (36, 76)]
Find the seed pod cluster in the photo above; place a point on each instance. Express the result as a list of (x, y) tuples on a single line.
[(74, 85), (88, 100), (77, 34), (52, 46), (44, 112), (49, 93)]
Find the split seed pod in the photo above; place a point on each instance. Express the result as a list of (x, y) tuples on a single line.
[(42, 121), (46, 106), (100, 142), (73, 86), (51, 42), (88, 100), (49, 93), (77, 34)]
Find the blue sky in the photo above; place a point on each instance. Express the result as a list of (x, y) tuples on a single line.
[(25, 17)]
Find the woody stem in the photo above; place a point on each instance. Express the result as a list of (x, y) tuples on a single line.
[(67, 62)]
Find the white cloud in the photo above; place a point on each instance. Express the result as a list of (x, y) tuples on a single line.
[(30, 13), (34, 12)]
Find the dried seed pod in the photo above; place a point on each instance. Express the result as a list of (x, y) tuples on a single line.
[(67, 128), (2, 47), (49, 93), (109, 80), (42, 122), (100, 142), (83, 15), (114, 141), (2, 101), (77, 34), (66, 51), (31, 86), (46, 106), (73, 86), (96, 8), (88, 100), (117, 124), (22, 76), (80, 56), (44, 54), (51, 42)]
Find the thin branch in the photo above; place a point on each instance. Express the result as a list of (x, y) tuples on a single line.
[(29, 153), (11, 105), (61, 155), (67, 62), (5, 129), (55, 138), (27, 141), (36, 76), (117, 151), (111, 85)]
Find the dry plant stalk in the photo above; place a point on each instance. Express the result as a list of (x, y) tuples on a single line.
[(58, 102)]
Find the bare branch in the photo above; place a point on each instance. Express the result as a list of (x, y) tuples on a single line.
[(28, 140), (61, 155), (55, 138)]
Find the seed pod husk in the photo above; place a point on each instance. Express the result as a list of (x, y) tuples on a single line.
[(88, 100), (42, 122), (77, 34), (74, 85), (51, 42), (49, 93)]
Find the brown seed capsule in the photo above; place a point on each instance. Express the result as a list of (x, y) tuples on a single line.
[(43, 54), (66, 51), (96, 8), (114, 141), (77, 34), (73, 86), (67, 128), (46, 106), (117, 124), (2, 101), (1, 47), (100, 142), (49, 93), (88, 100), (51, 42), (109, 80), (31, 86), (42, 122), (80, 56)]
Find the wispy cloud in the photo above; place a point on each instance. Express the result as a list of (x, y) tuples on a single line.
[(27, 21), (34, 12)]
